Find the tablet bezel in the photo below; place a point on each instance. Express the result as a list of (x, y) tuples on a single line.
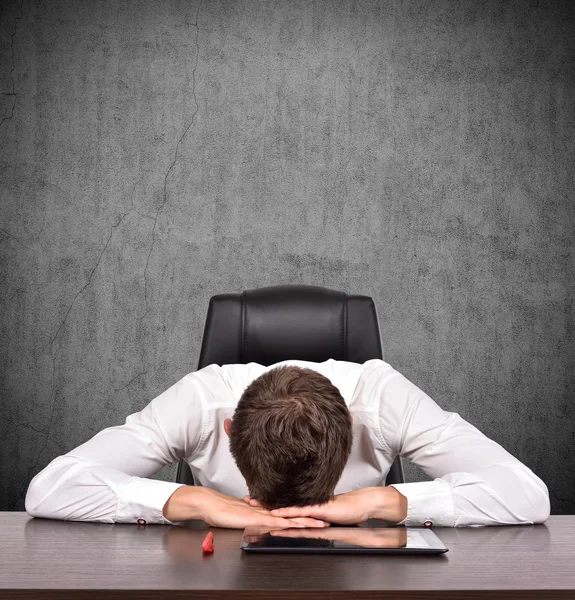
[(436, 546)]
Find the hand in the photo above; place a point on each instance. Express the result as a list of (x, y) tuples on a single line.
[(351, 508), (221, 510)]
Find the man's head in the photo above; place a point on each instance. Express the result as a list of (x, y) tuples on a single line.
[(290, 437)]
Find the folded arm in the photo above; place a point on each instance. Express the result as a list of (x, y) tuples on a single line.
[(475, 480), (106, 478)]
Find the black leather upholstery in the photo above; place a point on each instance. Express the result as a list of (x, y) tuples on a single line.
[(303, 322)]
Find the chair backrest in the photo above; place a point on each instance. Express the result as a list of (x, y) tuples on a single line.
[(303, 322)]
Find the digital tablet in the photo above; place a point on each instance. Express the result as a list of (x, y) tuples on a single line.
[(343, 540)]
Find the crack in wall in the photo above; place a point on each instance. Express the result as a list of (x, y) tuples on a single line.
[(571, 501), (34, 236), (144, 370), (13, 237), (13, 92), (165, 191), (51, 342), (531, 353), (130, 382), (46, 433), (5, 417)]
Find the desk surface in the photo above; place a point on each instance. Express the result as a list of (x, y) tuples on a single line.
[(41, 558)]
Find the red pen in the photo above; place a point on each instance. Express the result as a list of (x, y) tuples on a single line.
[(208, 543)]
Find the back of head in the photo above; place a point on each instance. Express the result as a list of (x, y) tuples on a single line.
[(291, 437)]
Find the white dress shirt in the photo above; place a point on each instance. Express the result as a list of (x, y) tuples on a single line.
[(475, 481)]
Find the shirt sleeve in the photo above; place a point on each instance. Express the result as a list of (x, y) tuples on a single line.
[(106, 478), (476, 481)]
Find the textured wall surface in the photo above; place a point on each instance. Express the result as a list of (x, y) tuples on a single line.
[(156, 152)]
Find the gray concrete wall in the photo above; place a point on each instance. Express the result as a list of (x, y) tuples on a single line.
[(155, 153)]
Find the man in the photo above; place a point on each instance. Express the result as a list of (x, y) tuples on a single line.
[(310, 444)]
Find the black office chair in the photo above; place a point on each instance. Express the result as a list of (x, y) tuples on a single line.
[(301, 322)]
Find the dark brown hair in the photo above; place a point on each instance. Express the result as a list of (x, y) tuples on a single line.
[(291, 437)]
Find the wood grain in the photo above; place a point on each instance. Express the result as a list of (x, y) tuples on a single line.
[(41, 558)]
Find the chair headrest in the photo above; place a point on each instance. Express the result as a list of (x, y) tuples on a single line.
[(305, 322)]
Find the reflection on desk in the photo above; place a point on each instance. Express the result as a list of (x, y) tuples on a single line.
[(366, 537), (157, 561)]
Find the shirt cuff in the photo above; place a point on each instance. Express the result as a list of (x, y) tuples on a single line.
[(144, 499), (427, 501)]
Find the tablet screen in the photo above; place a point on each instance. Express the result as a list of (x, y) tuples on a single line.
[(363, 540)]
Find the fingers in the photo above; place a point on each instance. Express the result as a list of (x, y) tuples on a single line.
[(292, 511), (309, 522), (304, 521), (279, 523), (298, 514), (298, 511)]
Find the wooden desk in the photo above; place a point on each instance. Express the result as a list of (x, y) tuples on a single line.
[(57, 559)]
